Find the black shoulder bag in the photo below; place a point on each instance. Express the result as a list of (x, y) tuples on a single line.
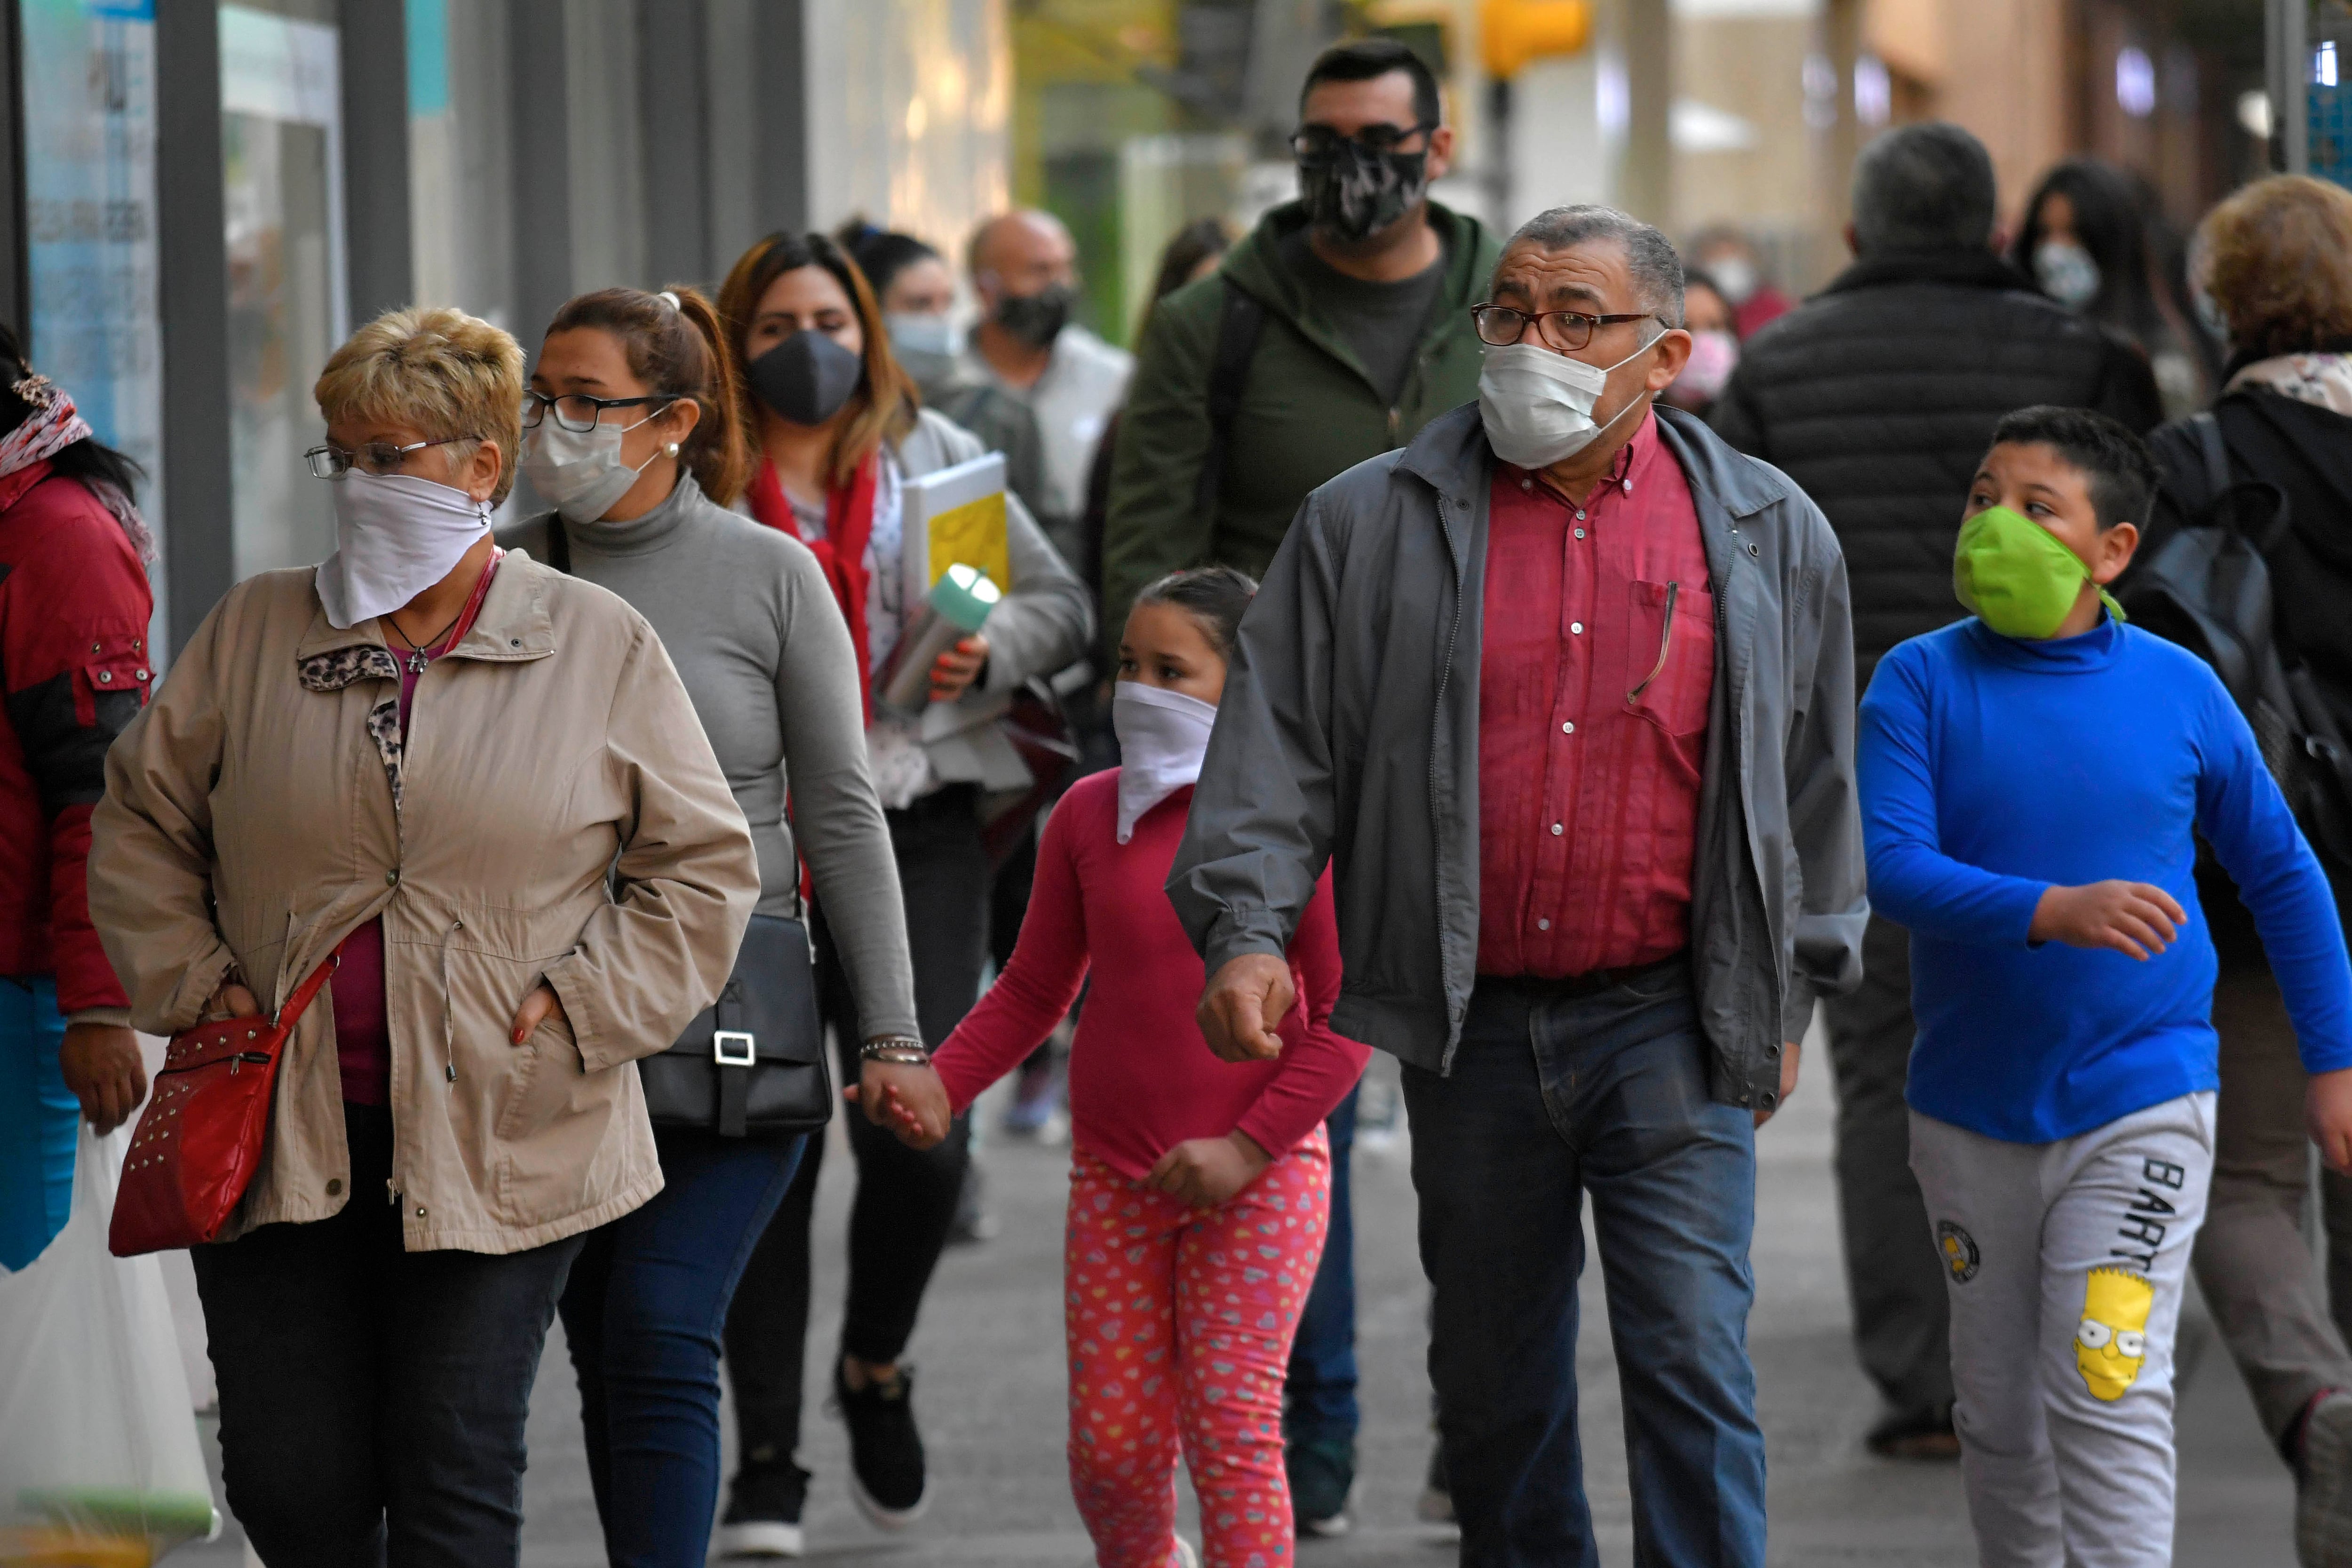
[(752, 1063)]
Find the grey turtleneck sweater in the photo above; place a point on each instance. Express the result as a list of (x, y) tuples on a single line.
[(753, 628)]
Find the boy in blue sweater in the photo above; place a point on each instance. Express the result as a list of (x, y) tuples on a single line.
[(2034, 782)]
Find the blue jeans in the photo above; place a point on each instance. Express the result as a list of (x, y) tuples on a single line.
[(1319, 1394), (37, 1121), (644, 1313), (1552, 1096), (373, 1399)]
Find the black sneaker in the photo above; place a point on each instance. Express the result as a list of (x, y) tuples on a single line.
[(1436, 1504), (763, 1513), (886, 1452), (1922, 1435), (1322, 1472)]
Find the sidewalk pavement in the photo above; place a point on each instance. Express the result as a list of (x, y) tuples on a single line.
[(991, 1393)]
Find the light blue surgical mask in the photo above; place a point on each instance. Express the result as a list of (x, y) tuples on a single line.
[(922, 334)]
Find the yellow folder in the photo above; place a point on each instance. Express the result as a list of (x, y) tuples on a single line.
[(957, 515)]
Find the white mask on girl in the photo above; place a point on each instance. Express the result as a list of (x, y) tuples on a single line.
[(580, 472), (1163, 736), (1537, 405), (395, 536)]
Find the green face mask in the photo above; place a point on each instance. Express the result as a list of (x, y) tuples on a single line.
[(2017, 576)]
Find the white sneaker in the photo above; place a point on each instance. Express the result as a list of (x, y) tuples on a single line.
[(1185, 1556), (757, 1538)]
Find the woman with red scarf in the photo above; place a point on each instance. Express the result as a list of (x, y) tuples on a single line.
[(839, 431)]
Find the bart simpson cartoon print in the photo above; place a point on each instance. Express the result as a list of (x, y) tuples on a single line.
[(2112, 1339)]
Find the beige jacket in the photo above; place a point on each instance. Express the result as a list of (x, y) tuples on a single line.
[(266, 805)]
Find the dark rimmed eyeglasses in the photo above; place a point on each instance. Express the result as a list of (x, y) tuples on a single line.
[(1566, 330), (378, 458), (576, 411), (1320, 143)]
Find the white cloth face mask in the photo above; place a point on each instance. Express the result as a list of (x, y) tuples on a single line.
[(395, 536), (928, 334), (1163, 736), (1537, 405), (580, 472)]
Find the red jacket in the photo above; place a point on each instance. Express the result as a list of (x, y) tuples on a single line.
[(74, 670)]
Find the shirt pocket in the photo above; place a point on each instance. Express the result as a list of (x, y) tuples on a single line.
[(1670, 654)]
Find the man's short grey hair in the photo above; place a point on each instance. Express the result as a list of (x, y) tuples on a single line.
[(1650, 259), (1923, 187)]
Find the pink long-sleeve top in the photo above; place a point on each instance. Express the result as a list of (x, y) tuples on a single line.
[(1141, 1077)]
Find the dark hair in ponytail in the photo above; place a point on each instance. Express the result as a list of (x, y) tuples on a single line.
[(679, 350), (89, 459), (1214, 596)]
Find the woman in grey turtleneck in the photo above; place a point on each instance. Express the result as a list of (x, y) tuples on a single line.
[(747, 617)]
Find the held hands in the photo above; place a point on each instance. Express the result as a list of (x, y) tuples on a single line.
[(955, 670), (910, 1101), (2329, 1108), (1790, 1050), (2132, 918), (1243, 1004), (101, 1066), (1205, 1171)]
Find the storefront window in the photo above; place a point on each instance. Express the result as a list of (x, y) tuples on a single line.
[(90, 208), (282, 159)]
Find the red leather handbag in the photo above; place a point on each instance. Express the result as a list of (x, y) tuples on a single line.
[(199, 1140)]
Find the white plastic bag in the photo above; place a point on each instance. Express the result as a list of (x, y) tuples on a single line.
[(99, 1466)]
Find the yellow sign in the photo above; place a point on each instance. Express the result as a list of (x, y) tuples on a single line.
[(1511, 33)]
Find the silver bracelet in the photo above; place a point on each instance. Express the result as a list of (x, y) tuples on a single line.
[(899, 1050)]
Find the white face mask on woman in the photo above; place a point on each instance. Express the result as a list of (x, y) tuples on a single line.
[(580, 472), (1537, 405), (1163, 736), (395, 536)]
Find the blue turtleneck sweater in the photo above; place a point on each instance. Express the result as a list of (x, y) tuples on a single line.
[(1993, 768)]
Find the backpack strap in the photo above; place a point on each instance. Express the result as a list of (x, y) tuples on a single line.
[(1239, 326), (2213, 450)]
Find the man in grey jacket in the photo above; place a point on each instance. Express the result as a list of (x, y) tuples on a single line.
[(1597, 853)]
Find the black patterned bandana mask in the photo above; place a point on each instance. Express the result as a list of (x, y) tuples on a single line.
[(1356, 193)]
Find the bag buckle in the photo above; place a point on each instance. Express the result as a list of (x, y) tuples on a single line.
[(732, 1049)]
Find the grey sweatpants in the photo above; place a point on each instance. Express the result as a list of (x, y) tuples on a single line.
[(2066, 1263)]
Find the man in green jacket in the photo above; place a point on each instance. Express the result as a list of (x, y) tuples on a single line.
[(1359, 336), (1332, 333)]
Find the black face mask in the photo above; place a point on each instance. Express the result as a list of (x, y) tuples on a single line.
[(807, 378), (1355, 192), (1037, 319)]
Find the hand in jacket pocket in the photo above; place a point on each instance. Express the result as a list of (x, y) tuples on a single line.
[(535, 1011)]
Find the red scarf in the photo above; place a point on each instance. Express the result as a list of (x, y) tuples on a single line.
[(841, 554)]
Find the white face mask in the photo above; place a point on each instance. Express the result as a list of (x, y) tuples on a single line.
[(1537, 405), (1734, 277), (923, 334), (580, 472), (395, 536), (2067, 272), (1163, 736)]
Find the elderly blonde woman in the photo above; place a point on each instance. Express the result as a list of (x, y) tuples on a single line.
[(2276, 271), (432, 756)]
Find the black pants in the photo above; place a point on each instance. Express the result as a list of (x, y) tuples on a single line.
[(372, 1400), (1902, 1319), (906, 1199)]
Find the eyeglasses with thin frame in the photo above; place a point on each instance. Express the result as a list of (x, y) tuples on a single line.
[(1566, 330), (576, 411), (379, 457), (1319, 144)]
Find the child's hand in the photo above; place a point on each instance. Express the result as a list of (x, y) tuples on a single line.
[(1205, 1171), (2328, 1104), (910, 1101), (2132, 918)]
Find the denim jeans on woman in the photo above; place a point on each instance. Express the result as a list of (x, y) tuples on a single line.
[(643, 1314), (1553, 1095), (373, 1399)]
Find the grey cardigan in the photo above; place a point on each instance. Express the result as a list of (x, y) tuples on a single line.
[(747, 618), (1349, 731)]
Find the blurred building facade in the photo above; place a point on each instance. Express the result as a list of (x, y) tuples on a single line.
[(207, 196)]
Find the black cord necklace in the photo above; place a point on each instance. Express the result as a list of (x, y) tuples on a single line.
[(417, 657)]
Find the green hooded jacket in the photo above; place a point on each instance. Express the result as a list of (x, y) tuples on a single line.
[(1308, 410)]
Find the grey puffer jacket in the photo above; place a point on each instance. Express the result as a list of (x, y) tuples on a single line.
[(1348, 732)]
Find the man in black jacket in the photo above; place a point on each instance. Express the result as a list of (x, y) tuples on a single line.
[(1878, 395)]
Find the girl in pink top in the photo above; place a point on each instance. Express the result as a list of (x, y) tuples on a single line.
[(1198, 1189)]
